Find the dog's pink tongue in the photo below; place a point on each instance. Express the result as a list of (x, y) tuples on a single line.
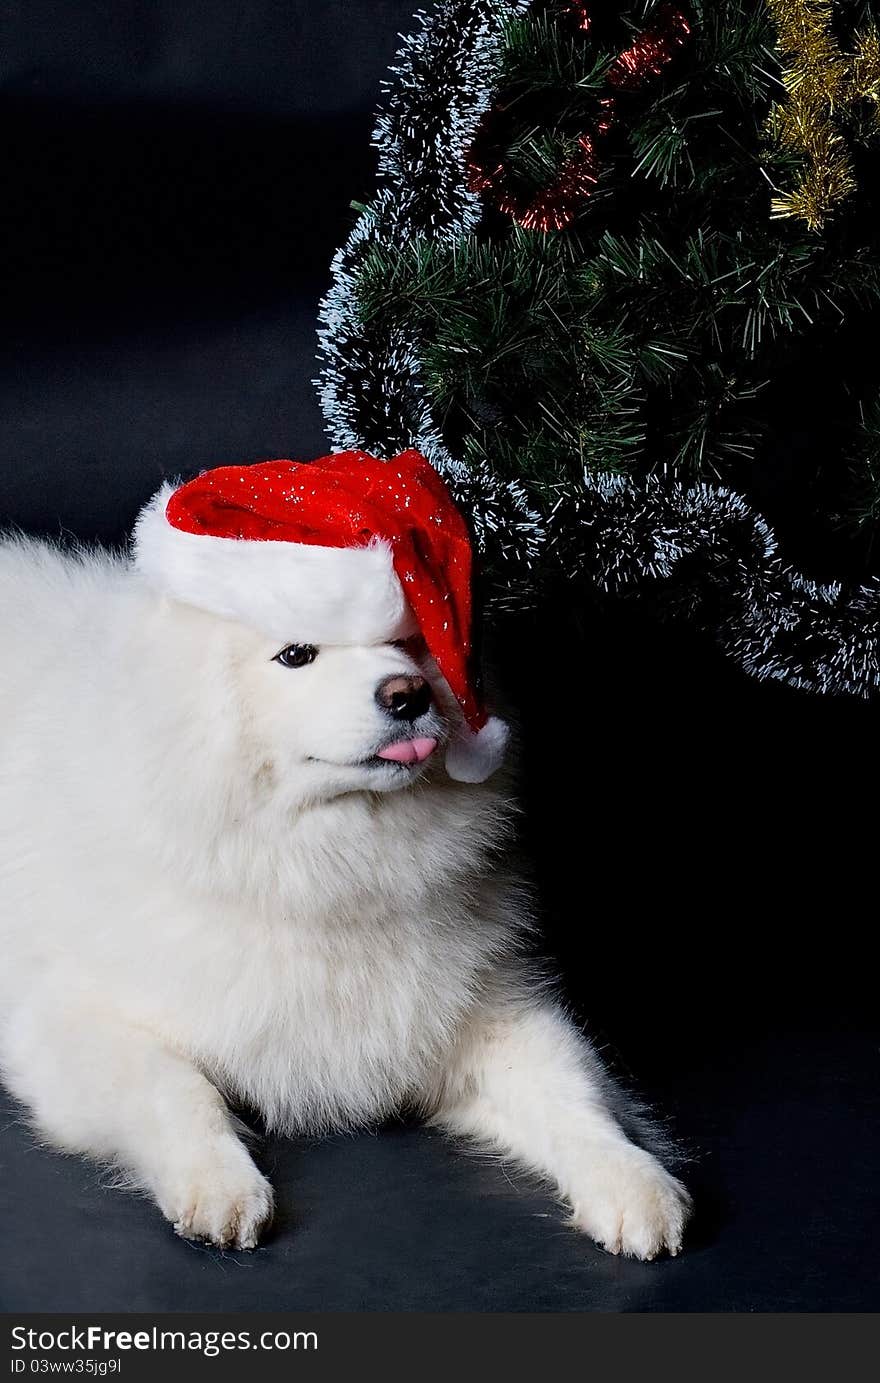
[(409, 751)]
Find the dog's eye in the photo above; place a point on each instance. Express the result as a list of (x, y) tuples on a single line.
[(415, 646), (296, 655)]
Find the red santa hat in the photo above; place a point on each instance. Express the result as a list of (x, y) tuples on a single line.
[(346, 549)]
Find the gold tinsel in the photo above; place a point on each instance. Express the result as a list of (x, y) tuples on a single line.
[(820, 82), (866, 67)]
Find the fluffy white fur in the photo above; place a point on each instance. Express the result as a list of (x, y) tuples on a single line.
[(210, 890)]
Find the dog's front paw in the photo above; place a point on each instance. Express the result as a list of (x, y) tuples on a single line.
[(221, 1198), (631, 1205)]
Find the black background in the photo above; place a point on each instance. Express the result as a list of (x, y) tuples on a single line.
[(176, 177)]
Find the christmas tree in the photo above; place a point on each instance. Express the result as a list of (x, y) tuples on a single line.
[(619, 283)]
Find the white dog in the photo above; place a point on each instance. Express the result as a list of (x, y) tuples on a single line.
[(226, 874)]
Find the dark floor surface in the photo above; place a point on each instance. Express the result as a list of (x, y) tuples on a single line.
[(786, 1142)]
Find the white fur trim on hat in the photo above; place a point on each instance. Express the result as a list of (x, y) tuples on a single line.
[(472, 758), (294, 592)]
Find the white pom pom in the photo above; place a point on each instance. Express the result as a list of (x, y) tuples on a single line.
[(472, 758)]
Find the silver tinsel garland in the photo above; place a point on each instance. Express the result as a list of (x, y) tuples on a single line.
[(717, 562)]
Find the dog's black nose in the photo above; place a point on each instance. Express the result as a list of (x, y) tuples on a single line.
[(404, 698)]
